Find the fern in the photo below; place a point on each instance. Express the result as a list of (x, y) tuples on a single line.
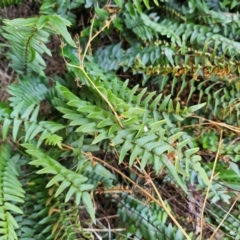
[(31, 126), (12, 193), (30, 91), (30, 40), (151, 146), (146, 221), (63, 8), (6, 3), (65, 176), (150, 96)]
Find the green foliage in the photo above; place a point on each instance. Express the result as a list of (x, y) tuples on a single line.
[(62, 8), (6, 3), (12, 193), (142, 80), (63, 175), (28, 38), (146, 221)]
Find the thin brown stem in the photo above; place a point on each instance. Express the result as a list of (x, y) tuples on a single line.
[(210, 183)]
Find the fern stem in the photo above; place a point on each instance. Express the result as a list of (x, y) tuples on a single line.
[(26, 50)]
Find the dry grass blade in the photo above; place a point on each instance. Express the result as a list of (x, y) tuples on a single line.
[(163, 204), (211, 179), (224, 218)]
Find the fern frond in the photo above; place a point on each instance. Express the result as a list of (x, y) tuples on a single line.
[(145, 3), (152, 60), (146, 221), (69, 179), (44, 216), (63, 8), (7, 3), (151, 143), (32, 128), (34, 207), (11, 193), (185, 54), (213, 5), (99, 174), (30, 90), (26, 50), (154, 107), (28, 38)]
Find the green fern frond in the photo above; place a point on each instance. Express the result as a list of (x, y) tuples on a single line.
[(146, 221), (24, 37), (143, 139), (30, 90), (69, 179), (176, 56), (63, 8), (52, 139), (217, 77), (136, 104), (44, 216), (99, 174), (145, 3), (230, 226), (34, 207), (159, 58), (32, 128), (28, 38), (136, 23), (7, 3), (11, 193)]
